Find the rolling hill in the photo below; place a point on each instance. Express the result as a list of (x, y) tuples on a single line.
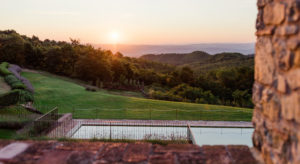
[(201, 61), (212, 48), (52, 90)]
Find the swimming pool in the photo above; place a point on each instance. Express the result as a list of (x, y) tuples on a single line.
[(202, 135), (223, 136)]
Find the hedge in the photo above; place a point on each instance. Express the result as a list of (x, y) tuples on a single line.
[(15, 70), (16, 96), (14, 82), (4, 69)]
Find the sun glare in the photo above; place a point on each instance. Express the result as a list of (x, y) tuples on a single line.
[(114, 37)]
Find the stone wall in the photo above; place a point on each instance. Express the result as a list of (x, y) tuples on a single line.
[(276, 92)]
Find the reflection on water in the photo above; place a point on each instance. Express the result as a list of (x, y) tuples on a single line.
[(203, 135)]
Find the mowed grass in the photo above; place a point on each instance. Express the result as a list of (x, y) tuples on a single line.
[(7, 133), (51, 91)]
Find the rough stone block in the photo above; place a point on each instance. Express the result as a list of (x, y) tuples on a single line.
[(191, 158), (241, 154), (83, 157), (54, 157), (112, 153), (269, 30), (294, 12), (262, 3), (216, 154), (12, 150), (297, 58), (293, 43), (264, 62), (274, 13), (167, 158), (285, 60), (257, 93), (176, 148), (287, 30), (293, 79), (282, 84), (137, 152), (290, 105)]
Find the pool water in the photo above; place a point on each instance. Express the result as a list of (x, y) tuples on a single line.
[(223, 136), (202, 135), (131, 132)]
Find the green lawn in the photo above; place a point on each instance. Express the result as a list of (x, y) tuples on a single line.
[(7, 133), (16, 114), (51, 91)]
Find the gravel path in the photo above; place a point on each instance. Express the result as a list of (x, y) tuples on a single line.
[(16, 70), (4, 88)]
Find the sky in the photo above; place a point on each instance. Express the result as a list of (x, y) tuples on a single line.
[(133, 21)]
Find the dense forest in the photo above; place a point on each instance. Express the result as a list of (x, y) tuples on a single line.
[(104, 69)]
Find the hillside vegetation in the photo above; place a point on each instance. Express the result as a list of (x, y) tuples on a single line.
[(225, 78), (51, 91), (201, 61)]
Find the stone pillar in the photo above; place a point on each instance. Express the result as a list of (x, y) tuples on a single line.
[(276, 92)]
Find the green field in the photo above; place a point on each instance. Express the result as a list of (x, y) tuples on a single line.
[(51, 91), (7, 133)]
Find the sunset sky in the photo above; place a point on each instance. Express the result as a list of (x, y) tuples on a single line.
[(133, 21)]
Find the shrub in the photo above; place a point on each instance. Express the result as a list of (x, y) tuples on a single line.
[(9, 98), (25, 96), (14, 82), (3, 69), (164, 96), (15, 96)]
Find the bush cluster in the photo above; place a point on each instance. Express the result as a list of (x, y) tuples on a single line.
[(18, 94), (15, 96), (3, 69), (14, 82), (185, 93)]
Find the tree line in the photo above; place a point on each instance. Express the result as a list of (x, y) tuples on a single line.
[(105, 69)]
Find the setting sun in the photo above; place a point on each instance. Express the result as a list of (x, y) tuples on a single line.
[(114, 37)]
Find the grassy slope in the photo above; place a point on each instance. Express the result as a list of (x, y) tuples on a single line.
[(52, 91), (7, 133)]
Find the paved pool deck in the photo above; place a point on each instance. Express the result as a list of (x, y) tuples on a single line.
[(236, 124)]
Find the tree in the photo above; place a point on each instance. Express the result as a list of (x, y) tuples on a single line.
[(187, 75)]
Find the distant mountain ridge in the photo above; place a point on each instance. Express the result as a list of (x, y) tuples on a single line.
[(178, 59), (212, 48), (201, 61)]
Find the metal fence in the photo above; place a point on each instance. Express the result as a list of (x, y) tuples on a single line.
[(119, 130), (15, 117), (45, 123)]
